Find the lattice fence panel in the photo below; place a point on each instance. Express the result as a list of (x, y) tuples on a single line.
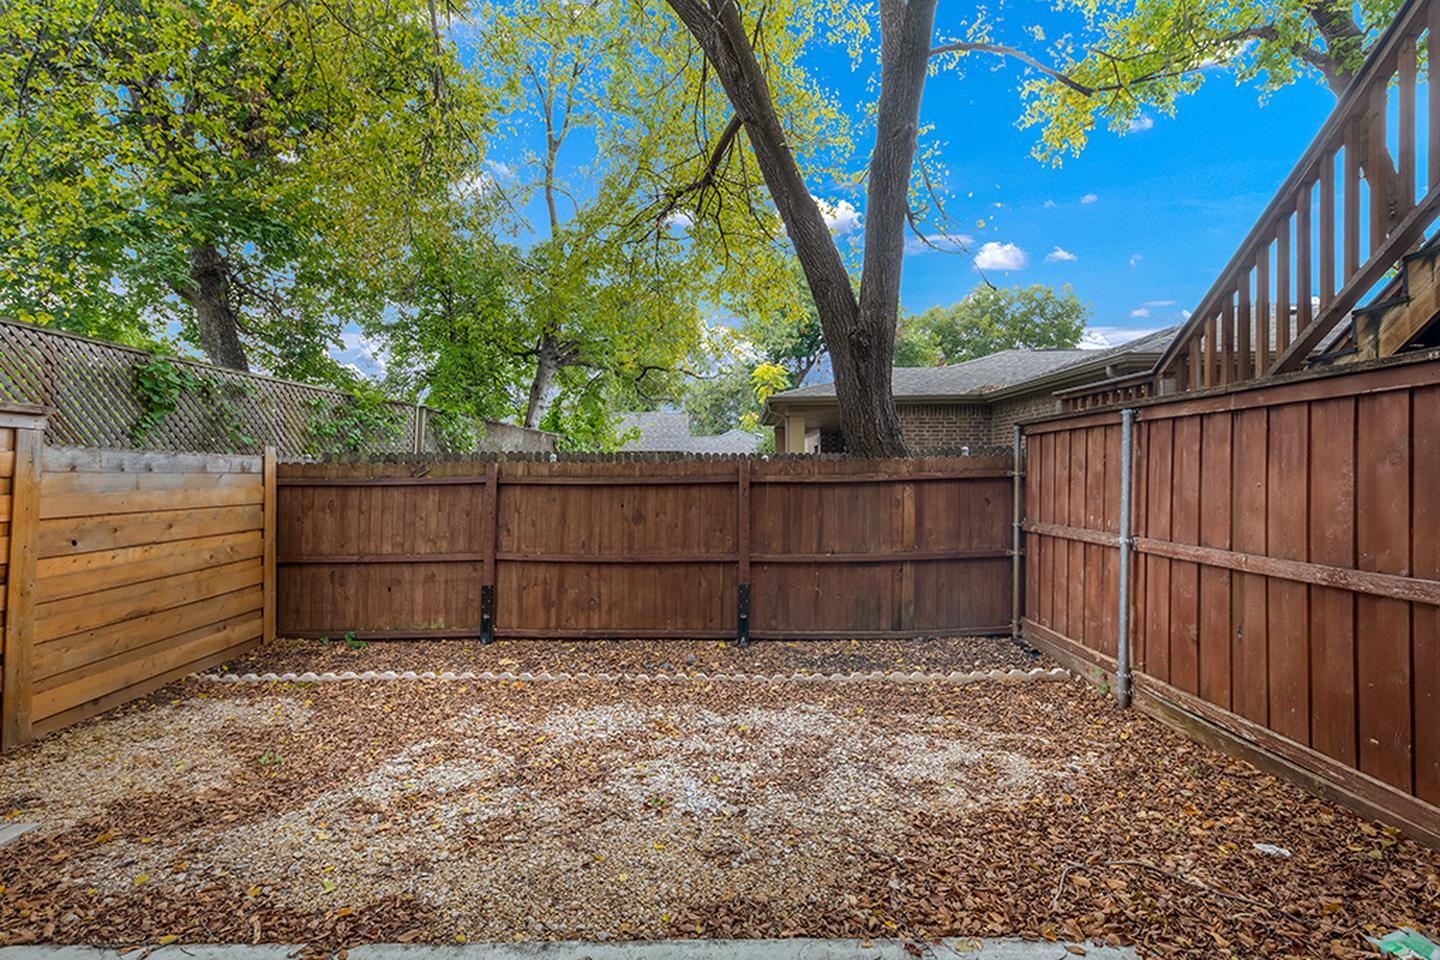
[(90, 386)]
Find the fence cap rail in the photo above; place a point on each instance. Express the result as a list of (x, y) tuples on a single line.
[(1228, 395)]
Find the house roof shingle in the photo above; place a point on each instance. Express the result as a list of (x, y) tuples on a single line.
[(669, 430), (998, 371)]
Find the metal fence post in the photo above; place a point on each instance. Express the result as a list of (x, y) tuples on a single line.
[(1017, 476), (1122, 644)]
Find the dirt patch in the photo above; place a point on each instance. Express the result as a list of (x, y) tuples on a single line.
[(932, 654), (430, 811)]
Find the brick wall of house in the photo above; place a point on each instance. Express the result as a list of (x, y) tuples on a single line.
[(1004, 415), (944, 426)]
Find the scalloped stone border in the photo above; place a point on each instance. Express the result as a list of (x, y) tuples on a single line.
[(978, 676)]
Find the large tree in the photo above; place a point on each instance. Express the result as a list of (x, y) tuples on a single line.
[(238, 167), (1123, 59), (991, 319), (613, 280)]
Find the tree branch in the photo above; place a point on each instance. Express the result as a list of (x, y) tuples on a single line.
[(1001, 50)]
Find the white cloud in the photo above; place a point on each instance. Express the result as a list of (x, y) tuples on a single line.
[(1059, 255), (680, 219), (362, 354), (501, 169), (1158, 303), (841, 217), (1110, 336), (1089, 198), (1000, 256), (1140, 312), (473, 187), (1186, 314), (1049, 204), (942, 242), (1135, 259), (1141, 122)]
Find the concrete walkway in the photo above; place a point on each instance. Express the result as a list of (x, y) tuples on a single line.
[(797, 949)]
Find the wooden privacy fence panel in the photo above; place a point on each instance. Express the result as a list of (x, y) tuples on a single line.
[(665, 548), (1287, 573), (139, 569)]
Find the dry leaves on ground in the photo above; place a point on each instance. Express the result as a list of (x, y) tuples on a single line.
[(430, 811)]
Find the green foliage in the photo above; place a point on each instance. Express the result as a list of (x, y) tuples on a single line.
[(722, 402), (226, 425), (1146, 56), (298, 139), (582, 414), (607, 305), (363, 421), (454, 432), (989, 320), (159, 384), (766, 380)]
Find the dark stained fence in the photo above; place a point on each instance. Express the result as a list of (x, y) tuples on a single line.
[(645, 548), (1287, 572)]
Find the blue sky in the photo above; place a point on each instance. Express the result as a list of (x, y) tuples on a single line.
[(1145, 220), (1150, 216)]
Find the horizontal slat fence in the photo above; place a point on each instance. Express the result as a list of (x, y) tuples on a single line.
[(1286, 591), (644, 548), (127, 570)]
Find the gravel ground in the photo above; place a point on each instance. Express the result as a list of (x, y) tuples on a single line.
[(443, 811), (940, 654)]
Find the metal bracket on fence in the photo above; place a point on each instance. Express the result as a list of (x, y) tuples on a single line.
[(487, 614), (742, 615)]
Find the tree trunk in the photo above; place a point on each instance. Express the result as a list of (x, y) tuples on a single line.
[(208, 293), (547, 362), (861, 342), (1344, 39)]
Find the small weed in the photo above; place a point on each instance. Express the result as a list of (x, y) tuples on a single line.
[(354, 644), (270, 759)]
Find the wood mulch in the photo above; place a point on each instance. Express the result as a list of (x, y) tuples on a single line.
[(928, 654), (333, 814)]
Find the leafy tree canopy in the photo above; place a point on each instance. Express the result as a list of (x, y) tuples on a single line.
[(235, 167), (989, 320)]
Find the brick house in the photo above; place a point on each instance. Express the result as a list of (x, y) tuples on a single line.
[(971, 404)]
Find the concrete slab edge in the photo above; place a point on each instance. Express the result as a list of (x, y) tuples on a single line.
[(796, 949), (978, 676)]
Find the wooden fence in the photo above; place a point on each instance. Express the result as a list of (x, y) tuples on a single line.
[(649, 548), (124, 570), (1286, 576)]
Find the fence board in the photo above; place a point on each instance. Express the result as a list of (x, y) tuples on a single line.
[(620, 547), (1425, 636), (1308, 515), (149, 565)]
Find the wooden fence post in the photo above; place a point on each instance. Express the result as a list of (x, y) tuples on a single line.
[(18, 690), (268, 540), (742, 546)]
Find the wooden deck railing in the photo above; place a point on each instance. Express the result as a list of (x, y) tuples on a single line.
[(1310, 260)]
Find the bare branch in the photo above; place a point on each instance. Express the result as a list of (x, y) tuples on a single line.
[(1001, 50)]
